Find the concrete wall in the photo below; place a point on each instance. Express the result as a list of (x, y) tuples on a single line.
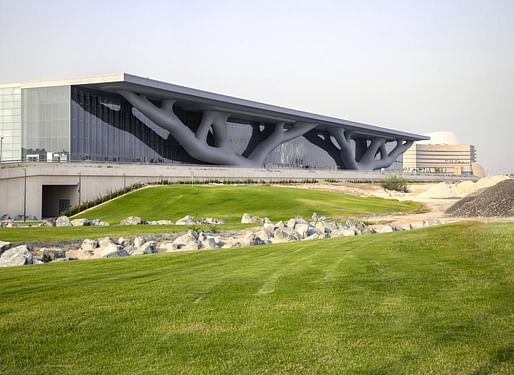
[(100, 179)]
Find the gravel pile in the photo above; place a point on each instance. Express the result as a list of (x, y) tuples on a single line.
[(497, 200)]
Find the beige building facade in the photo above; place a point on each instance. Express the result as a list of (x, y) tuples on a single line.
[(442, 154), (440, 158)]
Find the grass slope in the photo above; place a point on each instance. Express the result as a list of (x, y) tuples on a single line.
[(230, 202), (437, 300)]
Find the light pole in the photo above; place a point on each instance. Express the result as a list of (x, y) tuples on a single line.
[(25, 195), (79, 188), (1, 147)]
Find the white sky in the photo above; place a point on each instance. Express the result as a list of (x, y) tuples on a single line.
[(417, 66)]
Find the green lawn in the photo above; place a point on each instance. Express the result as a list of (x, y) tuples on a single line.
[(230, 202), (436, 300)]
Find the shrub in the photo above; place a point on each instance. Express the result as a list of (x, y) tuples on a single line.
[(395, 183)]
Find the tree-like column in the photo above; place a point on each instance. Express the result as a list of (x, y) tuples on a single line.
[(351, 151), (215, 123)]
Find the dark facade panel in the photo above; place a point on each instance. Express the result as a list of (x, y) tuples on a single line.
[(105, 127)]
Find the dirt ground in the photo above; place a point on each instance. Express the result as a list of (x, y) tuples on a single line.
[(436, 206)]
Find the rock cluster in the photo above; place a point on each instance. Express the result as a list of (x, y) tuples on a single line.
[(132, 220), (10, 223), (186, 220), (294, 229), (191, 220), (159, 222), (65, 221)]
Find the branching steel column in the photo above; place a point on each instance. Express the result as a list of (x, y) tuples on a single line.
[(356, 152), (195, 143)]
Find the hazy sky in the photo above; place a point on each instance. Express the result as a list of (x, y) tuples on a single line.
[(417, 66)]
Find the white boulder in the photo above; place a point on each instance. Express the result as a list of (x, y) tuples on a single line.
[(4, 246), (132, 220), (51, 254), (252, 239), (125, 242), (249, 219), (138, 242), (186, 220), (305, 229), (187, 241), (165, 246), (80, 222), (211, 242), (348, 232), (89, 245), (146, 248), (99, 223), (16, 256), (211, 220), (265, 234), (63, 221), (108, 249), (48, 223), (291, 223)]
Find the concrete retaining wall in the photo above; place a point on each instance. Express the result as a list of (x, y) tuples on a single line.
[(18, 191)]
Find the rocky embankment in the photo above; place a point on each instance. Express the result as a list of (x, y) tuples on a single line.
[(64, 221), (295, 229)]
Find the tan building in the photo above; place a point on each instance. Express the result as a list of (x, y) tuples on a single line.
[(442, 154)]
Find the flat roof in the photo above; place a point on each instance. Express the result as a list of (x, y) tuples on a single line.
[(241, 110)]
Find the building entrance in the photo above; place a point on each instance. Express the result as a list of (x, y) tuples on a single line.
[(57, 198)]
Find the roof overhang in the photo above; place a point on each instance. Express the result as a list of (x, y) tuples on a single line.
[(241, 110)]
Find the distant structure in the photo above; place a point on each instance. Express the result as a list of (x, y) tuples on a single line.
[(443, 154)]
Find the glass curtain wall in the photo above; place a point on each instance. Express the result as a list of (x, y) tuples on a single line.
[(46, 123), (10, 124), (106, 128)]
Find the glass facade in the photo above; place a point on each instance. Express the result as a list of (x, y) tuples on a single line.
[(10, 124), (104, 127), (79, 123), (46, 123)]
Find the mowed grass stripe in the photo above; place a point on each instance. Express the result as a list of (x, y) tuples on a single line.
[(230, 202), (436, 300)]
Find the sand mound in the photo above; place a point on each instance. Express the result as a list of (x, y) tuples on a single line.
[(497, 200), (461, 189)]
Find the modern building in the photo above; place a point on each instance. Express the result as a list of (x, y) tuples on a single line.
[(444, 154), (123, 119)]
